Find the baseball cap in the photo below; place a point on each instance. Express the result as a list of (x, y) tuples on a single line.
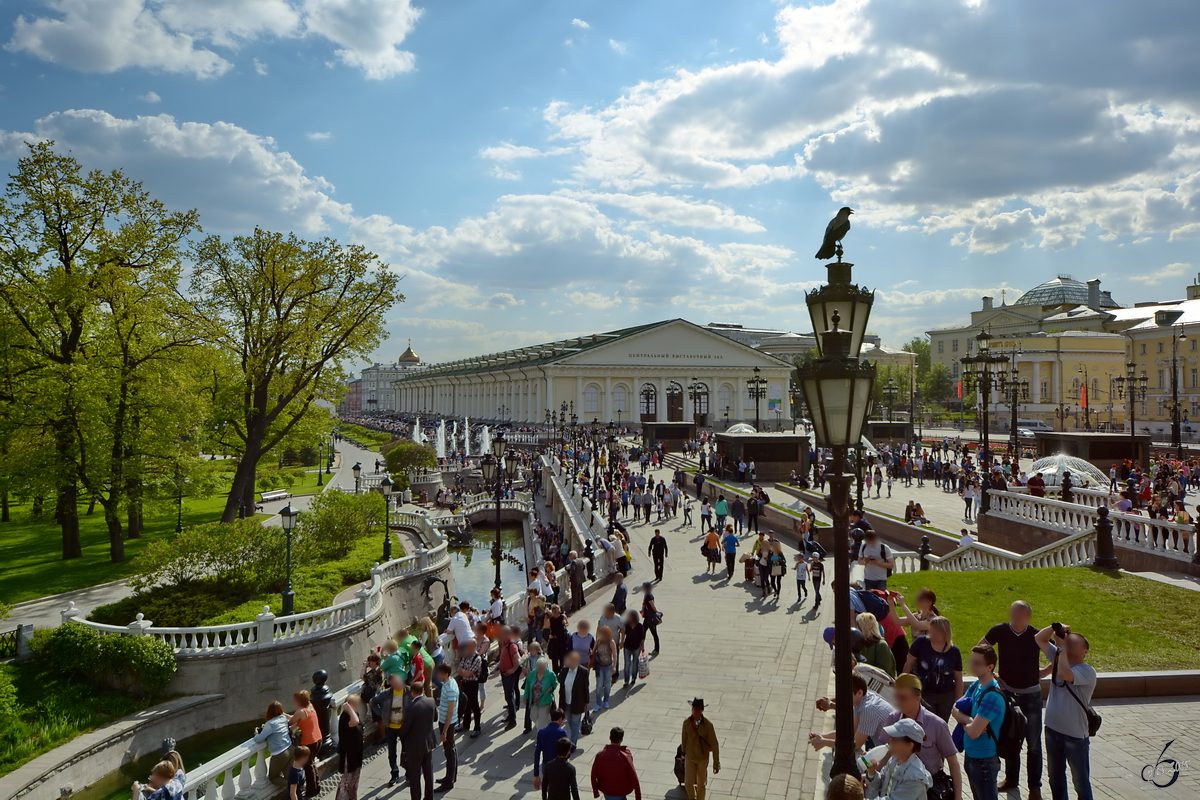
[(905, 728), (908, 681)]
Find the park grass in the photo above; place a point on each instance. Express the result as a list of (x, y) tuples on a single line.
[(1132, 623), (365, 436)]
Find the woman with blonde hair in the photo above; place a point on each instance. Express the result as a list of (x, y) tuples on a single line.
[(604, 658), (875, 650), (350, 747), (938, 663)]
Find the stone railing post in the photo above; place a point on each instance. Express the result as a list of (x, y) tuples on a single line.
[(139, 625), (1106, 557), (422, 558), (925, 549), (266, 627), (70, 612), (363, 596), (24, 639)]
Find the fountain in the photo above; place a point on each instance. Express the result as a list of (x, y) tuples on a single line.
[(416, 431), (466, 436), (485, 441), (440, 441)]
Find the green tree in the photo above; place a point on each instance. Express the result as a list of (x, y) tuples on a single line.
[(938, 386), (285, 314), (404, 457), (70, 245)]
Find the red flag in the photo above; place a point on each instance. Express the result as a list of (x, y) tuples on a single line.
[(960, 390), (1083, 396)]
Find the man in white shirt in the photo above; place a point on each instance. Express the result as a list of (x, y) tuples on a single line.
[(460, 627), (966, 538)]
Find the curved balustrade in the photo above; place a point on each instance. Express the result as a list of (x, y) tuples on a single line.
[(267, 630)]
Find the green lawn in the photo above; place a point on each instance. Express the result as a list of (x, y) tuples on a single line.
[(365, 436), (1132, 623)]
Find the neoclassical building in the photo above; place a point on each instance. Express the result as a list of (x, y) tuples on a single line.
[(666, 371), (377, 390)]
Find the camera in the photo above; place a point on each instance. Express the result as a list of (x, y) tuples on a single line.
[(1058, 629)]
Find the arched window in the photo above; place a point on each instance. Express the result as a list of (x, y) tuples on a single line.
[(648, 402), (725, 397), (700, 398), (674, 402), (591, 399), (620, 401)]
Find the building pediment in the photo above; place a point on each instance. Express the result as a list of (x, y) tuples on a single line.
[(674, 343)]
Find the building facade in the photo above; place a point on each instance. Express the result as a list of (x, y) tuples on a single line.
[(666, 371), (379, 382)]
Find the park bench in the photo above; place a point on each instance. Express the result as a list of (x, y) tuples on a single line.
[(275, 494)]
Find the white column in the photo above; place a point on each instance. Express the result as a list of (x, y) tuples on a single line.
[(606, 402), (1037, 382), (1056, 379)]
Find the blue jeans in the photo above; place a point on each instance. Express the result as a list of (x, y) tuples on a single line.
[(1064, 751), (573, 723), (616, 797), (1031, 704), (984, 775), (393, 736), (631, 658), (721, 523), (512, 695), (603, 684), (437, 662)]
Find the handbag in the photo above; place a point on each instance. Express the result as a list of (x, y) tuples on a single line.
[(643, 665), (1094, 720), (943, 787)]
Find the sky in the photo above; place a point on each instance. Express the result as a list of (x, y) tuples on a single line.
[(537, 169)]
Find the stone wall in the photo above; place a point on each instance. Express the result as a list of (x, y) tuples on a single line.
[(251, 679), (893, 531)]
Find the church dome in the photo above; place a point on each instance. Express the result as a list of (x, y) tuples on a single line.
[(409, 356)]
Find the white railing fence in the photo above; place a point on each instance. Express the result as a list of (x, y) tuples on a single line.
[(267, 630), (1076, 550), (1133, 531)]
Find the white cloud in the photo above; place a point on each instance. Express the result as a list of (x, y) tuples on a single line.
[(503, 174), (507, 151), (236, 178), (593, 300), (674, 210), (320, 136), (617, 46), (578, 23), (177, 35), (935, 116), (150, 97), (1176, 270)]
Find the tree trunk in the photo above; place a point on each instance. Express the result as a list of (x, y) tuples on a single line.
[(68, 519), (116, 541), (5, 515), (242, 489), (133, 502), (39, 503), (92, 506)]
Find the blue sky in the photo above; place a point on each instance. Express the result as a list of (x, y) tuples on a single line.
[(543, 169)]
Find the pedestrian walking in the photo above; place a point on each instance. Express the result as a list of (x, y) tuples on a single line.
[(777, 564), (635, 639), (350, 747), (876, 559), (574, 693), (418, 739), (938, 663), (1068, 708), (620, 593), (699, 742), (560, 782), (547, 742), (613, 773), (447, 724), (540, 687), (651, 616), (730, 544), (801, 567), (509, 666), (737, 510), (576, 571), (981, 727), (470, 668), (816, 568), (721, 509), (604, 657), (658, 553)]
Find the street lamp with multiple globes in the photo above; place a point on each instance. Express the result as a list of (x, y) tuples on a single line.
[(985, 371), (597, 434), (1167, 319), (837, 390), (1016, 391), (287, 517), (357, 470), (320, 458), (385, 487), (1132, 388), (757, 390), (497, 466), (890, 391)]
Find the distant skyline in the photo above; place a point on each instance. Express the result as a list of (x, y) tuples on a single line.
[(537, 171)]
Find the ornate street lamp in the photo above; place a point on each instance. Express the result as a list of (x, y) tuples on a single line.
[(985, 371), (287, 517), (385, 487), (890, 390), (837, 391), (757, 391), (1132, 388), (357, 470), (1016, 391)]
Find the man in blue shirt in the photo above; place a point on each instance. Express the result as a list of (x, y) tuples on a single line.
[(731, 545), (982, 726), (547, 743)]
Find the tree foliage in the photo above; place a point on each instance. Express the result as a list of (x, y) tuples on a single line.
[(404, 457)]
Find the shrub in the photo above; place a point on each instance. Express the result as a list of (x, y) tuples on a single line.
[(141, 665), (407, 456), (242, 553), (174, 606), (334, 522), (72, 649)]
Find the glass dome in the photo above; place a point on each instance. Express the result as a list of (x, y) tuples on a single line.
[(741, 427), (1062, 291), (1083, 474)]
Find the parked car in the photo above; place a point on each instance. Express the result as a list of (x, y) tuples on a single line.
[(1024, 433)]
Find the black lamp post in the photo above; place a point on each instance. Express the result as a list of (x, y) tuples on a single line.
[(726, 417), (985, 371), (329, 462), (758, 390), (385, 486), (320, 458), (1016, 391), (357, 470), (597, 434), (288, 518), (1132, 388), (837, 389), (495, 465), (890, 390)]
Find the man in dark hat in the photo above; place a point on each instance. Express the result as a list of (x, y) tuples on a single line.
[(699, 740)]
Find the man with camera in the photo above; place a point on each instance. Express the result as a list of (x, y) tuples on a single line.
[(1068, 708)]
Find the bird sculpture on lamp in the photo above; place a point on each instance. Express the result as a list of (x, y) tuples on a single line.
[(838, 227)]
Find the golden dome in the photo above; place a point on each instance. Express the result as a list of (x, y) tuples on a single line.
[(409, 356)]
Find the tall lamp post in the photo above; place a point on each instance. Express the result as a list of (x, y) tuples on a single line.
[(329, 463), (496, 465), (1016, 391), (287, 517), (837, 390), (320, 458), (1132, 388), (357, 470), (597, 434), (385, 486), (1167, 319), (985, 371), (890, 390), (758, 390)]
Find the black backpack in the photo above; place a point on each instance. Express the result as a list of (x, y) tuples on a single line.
[(1012, 730)]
